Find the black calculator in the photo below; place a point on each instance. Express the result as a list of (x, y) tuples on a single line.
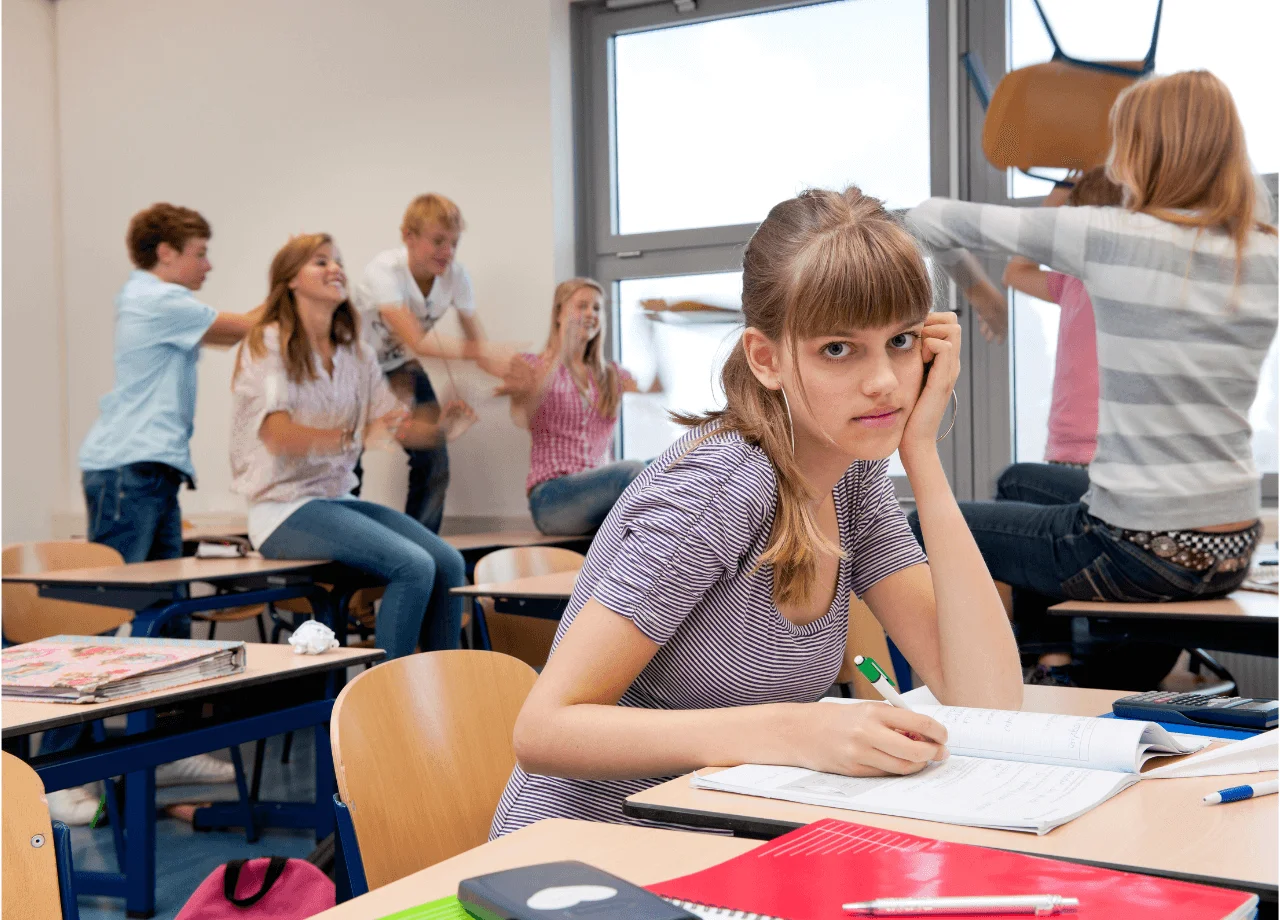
[(1198, 709)]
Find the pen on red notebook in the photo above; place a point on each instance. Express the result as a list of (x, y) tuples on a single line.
[(1038, 905)]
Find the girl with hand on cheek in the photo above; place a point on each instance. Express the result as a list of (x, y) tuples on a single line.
[(712, 612)]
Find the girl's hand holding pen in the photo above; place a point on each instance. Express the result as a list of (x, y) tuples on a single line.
[(867, 739)]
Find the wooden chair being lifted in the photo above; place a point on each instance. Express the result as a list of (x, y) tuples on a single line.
[(526, 638), (422, 749)]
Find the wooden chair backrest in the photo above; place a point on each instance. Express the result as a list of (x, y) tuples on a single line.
[(422, 748), (28, 617), (526, 638), (30, 872), (1054, 114), (866, 637)]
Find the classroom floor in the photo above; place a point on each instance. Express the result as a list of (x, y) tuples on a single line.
[(185, 857)]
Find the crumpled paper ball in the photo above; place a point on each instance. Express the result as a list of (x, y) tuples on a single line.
[(312, 638)]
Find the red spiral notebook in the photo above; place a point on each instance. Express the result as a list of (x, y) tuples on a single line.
[(809, 873)]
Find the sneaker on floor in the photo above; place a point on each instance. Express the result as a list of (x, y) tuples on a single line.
[(200, 770), (75, 807), (1050, 676)]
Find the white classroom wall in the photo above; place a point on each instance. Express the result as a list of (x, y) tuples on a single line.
[(270, 117), (34, 392)]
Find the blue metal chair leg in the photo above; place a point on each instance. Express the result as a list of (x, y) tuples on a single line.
[(349, 867), (66, 871)]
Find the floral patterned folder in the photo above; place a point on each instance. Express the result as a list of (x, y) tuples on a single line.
[(93, 669)]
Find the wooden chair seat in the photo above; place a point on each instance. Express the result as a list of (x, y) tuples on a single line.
[(422, 749), (526, 638), (28, 617)]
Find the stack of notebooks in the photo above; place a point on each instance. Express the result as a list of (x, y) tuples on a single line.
[(1022, 771), (95, 669)]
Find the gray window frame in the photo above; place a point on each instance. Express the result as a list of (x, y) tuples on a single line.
[(611, 257), (981, 443)]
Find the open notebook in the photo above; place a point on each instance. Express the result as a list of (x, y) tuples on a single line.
[(94, 669), (1024, 771)]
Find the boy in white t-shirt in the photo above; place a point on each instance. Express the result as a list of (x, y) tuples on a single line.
[(402, 294)]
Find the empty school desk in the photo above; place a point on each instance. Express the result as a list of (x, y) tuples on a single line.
[(1158, 827), (474, 546), (641, 855), (277, 692), (159, 590), (1243, 621), (535, 596)]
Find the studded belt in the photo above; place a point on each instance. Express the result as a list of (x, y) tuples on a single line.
[(1199, 550)]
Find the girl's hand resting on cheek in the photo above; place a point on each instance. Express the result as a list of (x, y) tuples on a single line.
[(940, 347), (869, 739)]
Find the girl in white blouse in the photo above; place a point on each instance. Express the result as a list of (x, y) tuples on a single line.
[(308, 396)]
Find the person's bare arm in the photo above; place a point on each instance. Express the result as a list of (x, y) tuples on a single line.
[(229, 328), (571, 725), (286, 438), (1028, 277)]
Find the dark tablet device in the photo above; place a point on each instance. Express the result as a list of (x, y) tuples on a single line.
[(561, 891)]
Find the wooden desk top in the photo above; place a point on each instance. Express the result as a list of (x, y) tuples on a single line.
[(499, 539), (1239, 606), (263, 664), (167, 571), (555, 585), (1155, 826), (641, 855)]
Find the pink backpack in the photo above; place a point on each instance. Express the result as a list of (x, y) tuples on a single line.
[(267, 888)]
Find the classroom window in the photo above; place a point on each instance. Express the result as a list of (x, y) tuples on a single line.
[(718, 121), (683, 353), (1194, 35), (693, 124)]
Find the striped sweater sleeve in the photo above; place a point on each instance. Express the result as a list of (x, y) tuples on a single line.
[(1049, 236)]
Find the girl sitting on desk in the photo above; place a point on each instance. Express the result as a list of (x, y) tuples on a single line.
[(307, 397), (712, 611)]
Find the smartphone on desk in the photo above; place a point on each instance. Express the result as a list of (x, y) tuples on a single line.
[(1198, 709)]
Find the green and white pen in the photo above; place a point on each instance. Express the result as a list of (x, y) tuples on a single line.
[(880, 680)]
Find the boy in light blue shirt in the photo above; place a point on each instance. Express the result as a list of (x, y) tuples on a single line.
[(138, 451)]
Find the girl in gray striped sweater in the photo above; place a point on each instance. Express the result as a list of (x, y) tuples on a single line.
[(1183, 283), (712, 611)]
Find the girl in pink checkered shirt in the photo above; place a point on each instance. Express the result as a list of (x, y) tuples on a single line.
[(568, 398)]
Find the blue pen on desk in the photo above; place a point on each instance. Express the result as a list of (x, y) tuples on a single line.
[(1240, 793)]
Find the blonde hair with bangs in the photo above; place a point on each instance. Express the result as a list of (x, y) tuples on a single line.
[(820, 263)]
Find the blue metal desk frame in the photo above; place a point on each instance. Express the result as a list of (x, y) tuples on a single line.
[(143, 748), (154, 605)]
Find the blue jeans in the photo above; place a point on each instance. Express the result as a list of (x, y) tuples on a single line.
[(579, 503), (418, 567), (428, 469), (1044, 543), (134, 510)]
